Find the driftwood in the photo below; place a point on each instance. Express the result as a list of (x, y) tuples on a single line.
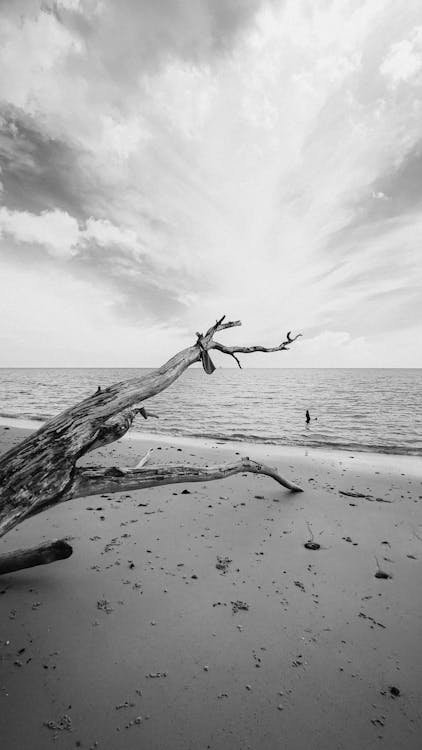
[(43, 554), (42, 470)]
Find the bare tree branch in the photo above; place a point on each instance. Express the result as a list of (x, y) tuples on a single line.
[(96, 480), (41, 471), (236, 359), (250, 349), (44, 553)]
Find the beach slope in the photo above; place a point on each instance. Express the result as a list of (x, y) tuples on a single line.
[(194, 616)]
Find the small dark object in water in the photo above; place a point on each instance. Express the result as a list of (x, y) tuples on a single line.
[(394, 691)]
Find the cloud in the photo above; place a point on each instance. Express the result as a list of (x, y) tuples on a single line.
[(40, 172), (404, 60), (104, 233), (380, 196), (55, 230), (256, 158), (155, 31), (67, 322), (102, 253), (61, 234)]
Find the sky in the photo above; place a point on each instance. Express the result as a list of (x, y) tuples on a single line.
[(165, 162)]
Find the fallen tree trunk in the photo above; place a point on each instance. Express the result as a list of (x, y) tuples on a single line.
[(43, 554), (41, 471), (92, 481)]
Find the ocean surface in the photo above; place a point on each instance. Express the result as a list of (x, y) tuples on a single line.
[(352, 409)]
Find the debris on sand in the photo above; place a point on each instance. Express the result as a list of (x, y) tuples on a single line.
[(381, 573), (105, 606), (353, 494), (223, 563), (394, 691), (64, 724), (300, 585), (125, 704), (237, 606), (378, 722), (368, 617), (311, 544)]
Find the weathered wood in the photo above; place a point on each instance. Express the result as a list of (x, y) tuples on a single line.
[(95, 480), (142, 461), (45, 553), (41, 471)]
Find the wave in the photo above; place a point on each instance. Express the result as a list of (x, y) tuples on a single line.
[(26, 417), (370, 411), (244, 437)]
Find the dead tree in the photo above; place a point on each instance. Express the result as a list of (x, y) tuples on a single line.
[(42, 470)]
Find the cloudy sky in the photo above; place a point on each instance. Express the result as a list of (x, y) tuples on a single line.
[(167, 161)]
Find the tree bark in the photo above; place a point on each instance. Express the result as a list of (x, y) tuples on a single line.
[(93, 480), (42, 470), (45, 553)]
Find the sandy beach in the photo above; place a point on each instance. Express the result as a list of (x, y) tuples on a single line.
[(193, 616)]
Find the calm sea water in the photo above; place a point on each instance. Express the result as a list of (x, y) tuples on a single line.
[(364, 410)]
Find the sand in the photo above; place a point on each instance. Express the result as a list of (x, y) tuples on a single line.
[(200, 620)]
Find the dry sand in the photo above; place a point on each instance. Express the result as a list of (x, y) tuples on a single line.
[(142, 639)]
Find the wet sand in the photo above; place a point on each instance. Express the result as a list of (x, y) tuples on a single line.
[(190, 620)]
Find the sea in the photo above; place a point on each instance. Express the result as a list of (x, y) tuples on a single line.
[(376, 410)]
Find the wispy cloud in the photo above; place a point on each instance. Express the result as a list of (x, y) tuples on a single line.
[(188, 159), (55, 230)]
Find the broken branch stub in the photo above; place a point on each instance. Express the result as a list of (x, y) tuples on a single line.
[(43, 554), (42, 471)]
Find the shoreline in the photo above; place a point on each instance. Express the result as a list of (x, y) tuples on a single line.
[(409, 462), (141, 640)]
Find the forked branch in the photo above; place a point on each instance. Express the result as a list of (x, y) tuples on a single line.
[(233, 350), (41, 471)]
